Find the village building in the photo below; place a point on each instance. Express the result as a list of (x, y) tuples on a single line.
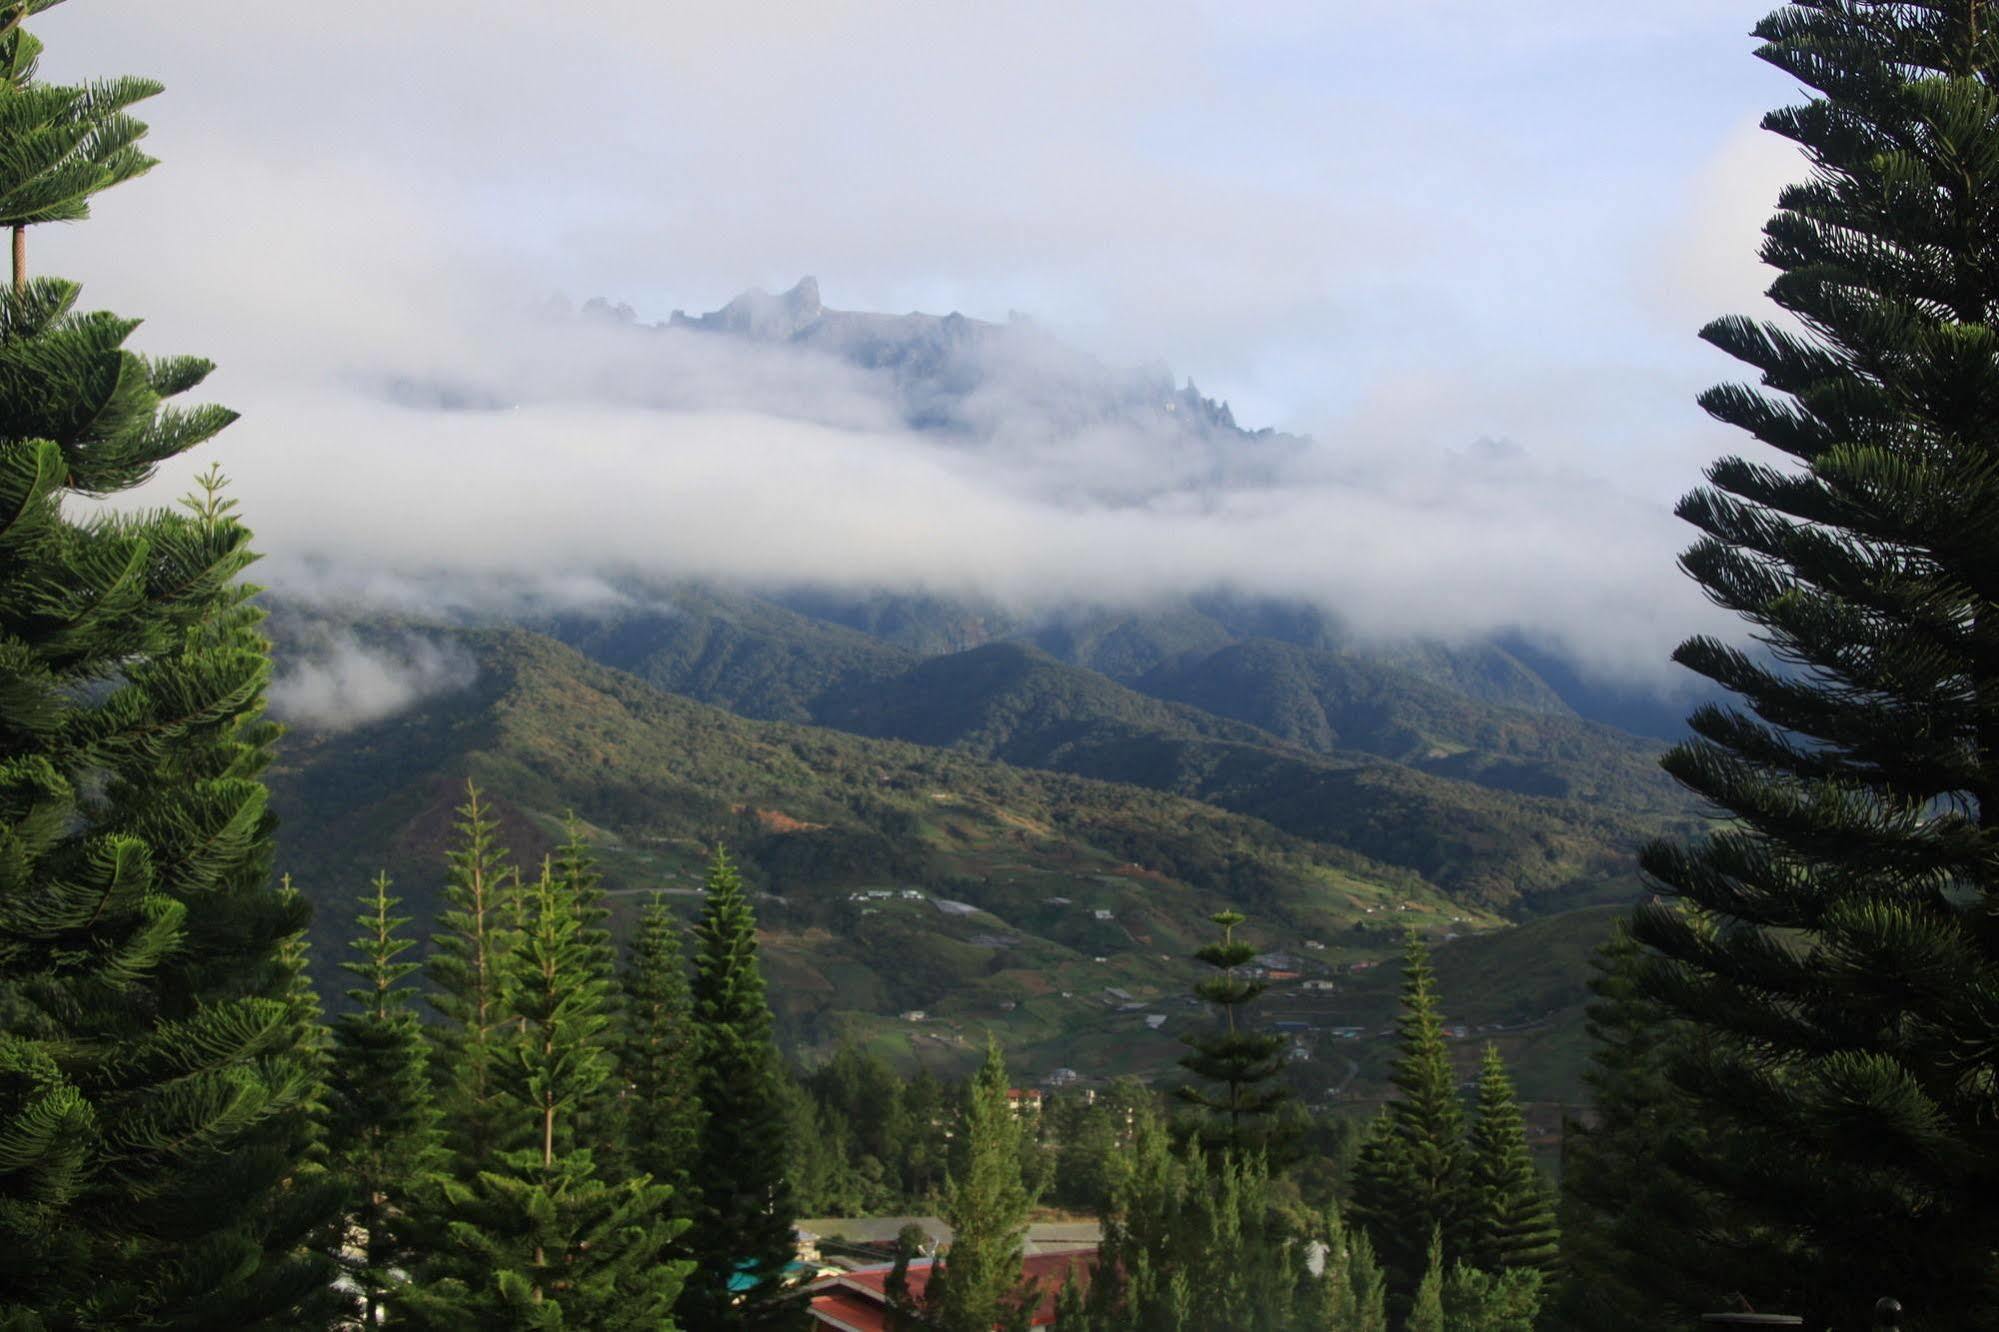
[(858, 1301)]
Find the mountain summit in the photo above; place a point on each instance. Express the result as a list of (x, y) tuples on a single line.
[(973, 376)]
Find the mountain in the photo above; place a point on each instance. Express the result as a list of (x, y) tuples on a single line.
[(1332, 701), (1007, 900), (1507, 807), (974, 378), (1012, 702)]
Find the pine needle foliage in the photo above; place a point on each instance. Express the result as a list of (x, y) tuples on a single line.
[(383, 1123), (1411, 1180), (467, 970), (63, 144), (656, 1059), (1511, 1221), (539, 1240), (1236, 1112), (1191, 1244), (1631, 1222), (742, 1235), (1835, 941), (153, 1092), (977, 1283)]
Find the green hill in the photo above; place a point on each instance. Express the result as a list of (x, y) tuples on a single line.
[(1011, 702), (1009, 868), (1332, 701)]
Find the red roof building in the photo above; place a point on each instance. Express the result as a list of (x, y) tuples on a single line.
[(858, 1301)]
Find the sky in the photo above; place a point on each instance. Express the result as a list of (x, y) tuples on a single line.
[(1465, 247)]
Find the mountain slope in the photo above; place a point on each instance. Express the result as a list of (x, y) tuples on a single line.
[(1330, 701), (1013, 703), (1029, 859)]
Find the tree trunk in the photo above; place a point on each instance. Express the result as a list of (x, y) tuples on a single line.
[(20, 260)]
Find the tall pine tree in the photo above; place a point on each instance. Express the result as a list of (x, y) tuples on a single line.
[(1834, 941), (1512, 1208), (1410, 1181), (64, 144), (1632, 1223), (1236, 1113), (655, 1059), (153, 1091), (742, 1236), (382, 1123), (539, 1239), (977, 1282), (467, 970)]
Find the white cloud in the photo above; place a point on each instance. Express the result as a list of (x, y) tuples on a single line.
[(337, 681), (1405, 228)]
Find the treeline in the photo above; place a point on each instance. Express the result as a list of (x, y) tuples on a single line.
[(571, 1139)]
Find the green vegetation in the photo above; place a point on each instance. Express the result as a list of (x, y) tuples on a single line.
[(1410, 1182), (976, 1285), (1505, 806), (157, 1068), (662, 1112), (741, 1240), (539, 1238), (1832, 944), (1235, 1116), (381, 1120)]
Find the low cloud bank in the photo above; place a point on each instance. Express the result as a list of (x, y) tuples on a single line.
[(333, 680)]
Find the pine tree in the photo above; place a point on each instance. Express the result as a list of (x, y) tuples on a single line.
[(1190, 1245), (1833, 941), (383, 1124), (1236, 1117), (976, 1283), (1476, 1301), (1370, 1286), (64, 144), (1338, 1303), (742, 1236), (596, 1118), (1512, 1219), (1426, 1314), (1631, 1221), (153, 1095), (655, 1059), (1410, 1181), (467, 970), (539, 1239)]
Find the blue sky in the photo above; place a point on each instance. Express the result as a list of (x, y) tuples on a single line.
[(1403, 228)]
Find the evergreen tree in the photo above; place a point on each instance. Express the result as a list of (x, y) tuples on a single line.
[(576, 870), (1237, 1116), (311, 1037), (655, 1059), (1190, 1245), (1370, 1285), (1476, 1301), (1833, 941), (539, 1239), (596, 1117), (467, 970), (742, 1237), (1410, 1181), (976, 1283), (64, 144), (383, 1124), (153, 1092), (1512, 1220), (1631, 1221), (1426, 1313)]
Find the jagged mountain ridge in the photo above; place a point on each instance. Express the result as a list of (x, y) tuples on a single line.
[(959, 376)]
